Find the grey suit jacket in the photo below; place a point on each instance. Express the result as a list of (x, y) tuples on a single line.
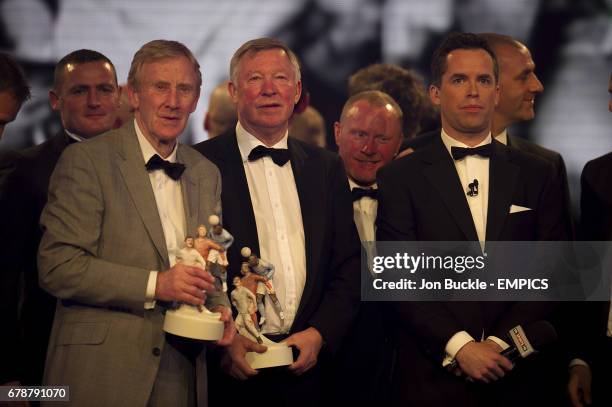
[(102, 237)]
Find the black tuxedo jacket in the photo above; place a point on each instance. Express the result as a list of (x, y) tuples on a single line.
[(331, 292), (23, 195), (526, 146), (595, 225), (421, 198)]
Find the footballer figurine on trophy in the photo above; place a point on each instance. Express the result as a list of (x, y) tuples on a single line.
[(264, 286), (277, 354), (217, 255), (190, 321), (245, 303)]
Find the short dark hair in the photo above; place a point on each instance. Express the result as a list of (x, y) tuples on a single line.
[(405, 86), (453, 41), (13, 79), (78, 57)]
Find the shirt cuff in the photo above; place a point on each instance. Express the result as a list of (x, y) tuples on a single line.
[(456, 342), (578, 362), (150, 293), (504, 345)]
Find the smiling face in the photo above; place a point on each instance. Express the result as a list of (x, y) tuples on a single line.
[(368, 137), (265, 89), (467, 95), (518, 86), (87, 98), (166, 94)]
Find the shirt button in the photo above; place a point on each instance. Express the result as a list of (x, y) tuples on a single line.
[(156, 351)]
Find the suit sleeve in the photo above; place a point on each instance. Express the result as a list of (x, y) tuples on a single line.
[(69, 266), (340, 302), (14, 214)]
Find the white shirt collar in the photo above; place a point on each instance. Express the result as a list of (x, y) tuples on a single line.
[(147, 148), (74, 136), (353, 184), (503, 137), (247, 142), (451, 142)]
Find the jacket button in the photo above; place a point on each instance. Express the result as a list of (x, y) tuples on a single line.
[(156, 351)]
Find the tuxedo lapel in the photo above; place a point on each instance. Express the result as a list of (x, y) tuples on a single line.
[(443, 176), (503, 176), (190, 192), (137, 180), (308, 180), (239, 206)]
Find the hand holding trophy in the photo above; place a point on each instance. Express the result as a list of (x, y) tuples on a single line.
[(190, 321)]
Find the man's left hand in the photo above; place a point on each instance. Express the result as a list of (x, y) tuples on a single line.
[(308, 342), (229, 330)]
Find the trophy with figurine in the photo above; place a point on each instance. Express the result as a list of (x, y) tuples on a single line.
[(248, 297), (197, 322)]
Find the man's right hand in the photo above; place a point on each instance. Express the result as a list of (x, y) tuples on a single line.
[(480, 362), (579, 386), (234, 362), (184, 283)]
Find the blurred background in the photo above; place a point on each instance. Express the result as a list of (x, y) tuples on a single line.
[(570, 40)]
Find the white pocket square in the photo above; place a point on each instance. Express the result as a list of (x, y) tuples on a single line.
[(518, 208)]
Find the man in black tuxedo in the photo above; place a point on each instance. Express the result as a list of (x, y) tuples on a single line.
[(14, 90), (423, 197), (518, 88), (290, 203), (86, 95), (592, 349)]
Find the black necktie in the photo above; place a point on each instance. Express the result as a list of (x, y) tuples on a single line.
[(173, 170), (460, 152), (359, 193), (280, 156)]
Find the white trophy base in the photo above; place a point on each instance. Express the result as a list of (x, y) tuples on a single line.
[(188, 322), (278, 354)]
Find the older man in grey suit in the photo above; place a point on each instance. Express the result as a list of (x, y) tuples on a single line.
[(119, 208)]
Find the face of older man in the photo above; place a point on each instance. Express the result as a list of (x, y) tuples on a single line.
[(265, 90), (467, 95), (368, 137), (518, 85), (9, 107), (87, 98), (166, 95)]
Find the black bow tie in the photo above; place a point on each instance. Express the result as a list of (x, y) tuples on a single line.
[(460, 152), (359, 193), (173, 170), (280, 156)]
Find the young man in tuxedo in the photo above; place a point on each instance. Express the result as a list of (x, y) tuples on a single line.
[(592, 349), (86, 96), (290, 203), (425, 197)]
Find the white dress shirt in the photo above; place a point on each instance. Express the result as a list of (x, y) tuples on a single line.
[(470, 168), (169, 202), (280, 230), (364, 213)]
